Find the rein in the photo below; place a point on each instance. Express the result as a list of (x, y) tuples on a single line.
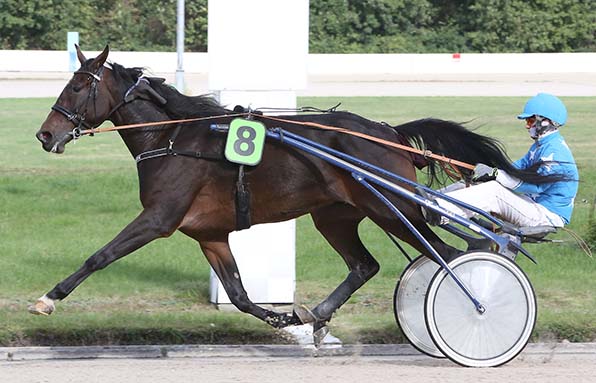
[(92, 131), (78, 120), (425, 153)]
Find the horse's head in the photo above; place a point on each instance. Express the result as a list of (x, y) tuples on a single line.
[(84, 103)]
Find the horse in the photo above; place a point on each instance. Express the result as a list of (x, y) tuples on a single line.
[(195, 194)]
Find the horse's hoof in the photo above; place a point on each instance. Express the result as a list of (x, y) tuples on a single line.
[(319, 334), (43, 306), (304, 314)]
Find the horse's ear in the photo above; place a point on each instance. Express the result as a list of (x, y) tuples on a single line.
[(80, 55), (101, 59)]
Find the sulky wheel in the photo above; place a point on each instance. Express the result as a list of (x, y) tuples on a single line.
[(476, 339), (408, 304)]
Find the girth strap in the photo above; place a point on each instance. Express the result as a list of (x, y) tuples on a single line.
[(170, 151), (161, 152)]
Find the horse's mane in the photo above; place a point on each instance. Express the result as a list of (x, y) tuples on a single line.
[(126, 76), (178, 106)]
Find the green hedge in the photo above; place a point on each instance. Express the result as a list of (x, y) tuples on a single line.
[(336, 26), (127, 25)]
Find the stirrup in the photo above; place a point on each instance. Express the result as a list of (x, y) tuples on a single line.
[(536, 233)]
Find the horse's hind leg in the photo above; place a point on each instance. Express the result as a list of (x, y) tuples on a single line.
[(339, 225), (220, 257)]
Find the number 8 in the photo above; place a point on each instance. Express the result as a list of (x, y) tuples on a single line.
[(250, 146)]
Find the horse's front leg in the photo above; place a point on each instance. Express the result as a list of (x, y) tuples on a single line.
[(149, 225), (220, 258)]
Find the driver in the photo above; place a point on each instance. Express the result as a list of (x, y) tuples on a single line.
[(522, 203)]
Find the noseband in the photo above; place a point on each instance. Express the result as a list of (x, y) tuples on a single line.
[(77, 118)]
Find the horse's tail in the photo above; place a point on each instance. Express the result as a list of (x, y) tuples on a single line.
[(454, 141)]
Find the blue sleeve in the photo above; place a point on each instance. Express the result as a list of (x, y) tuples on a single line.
[(525, 187), (523, 162), (528, 188), (552, 167)]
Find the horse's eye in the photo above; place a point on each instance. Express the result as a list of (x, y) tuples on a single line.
[(76, 88)]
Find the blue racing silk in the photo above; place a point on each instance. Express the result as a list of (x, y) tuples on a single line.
[(557, 197)]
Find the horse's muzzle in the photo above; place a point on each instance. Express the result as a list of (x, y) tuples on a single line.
[(44, 136), (50, 143)]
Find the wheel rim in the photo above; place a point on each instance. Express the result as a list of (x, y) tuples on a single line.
[(408, 304), (471, 338)]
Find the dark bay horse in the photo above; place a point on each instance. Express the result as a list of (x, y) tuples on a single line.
[(197, 195)]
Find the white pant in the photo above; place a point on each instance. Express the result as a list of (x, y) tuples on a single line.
[(494, 198)]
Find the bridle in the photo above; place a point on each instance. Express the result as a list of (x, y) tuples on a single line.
[(76, 117)]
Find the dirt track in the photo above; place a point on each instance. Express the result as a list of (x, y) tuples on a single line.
[(543, 369)]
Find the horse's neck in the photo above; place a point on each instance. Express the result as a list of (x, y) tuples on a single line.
[(141, 139)]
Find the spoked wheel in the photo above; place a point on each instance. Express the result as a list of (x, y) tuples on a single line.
[(476, 339), (408, 304)]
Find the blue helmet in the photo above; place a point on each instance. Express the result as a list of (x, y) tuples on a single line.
[(545, 105)]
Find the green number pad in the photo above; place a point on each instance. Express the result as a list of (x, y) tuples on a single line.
[(245, 142)]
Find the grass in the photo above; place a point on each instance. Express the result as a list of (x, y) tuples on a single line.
[(55, 211)]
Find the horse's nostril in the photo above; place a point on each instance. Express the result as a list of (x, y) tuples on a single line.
[(44, 136)]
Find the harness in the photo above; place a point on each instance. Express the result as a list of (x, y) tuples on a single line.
[(242, 192)]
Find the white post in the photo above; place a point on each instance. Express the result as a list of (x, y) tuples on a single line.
[(257, 57), (72, 38), (180, 46)]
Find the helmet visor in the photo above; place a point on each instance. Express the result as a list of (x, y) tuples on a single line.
[(523, 116)]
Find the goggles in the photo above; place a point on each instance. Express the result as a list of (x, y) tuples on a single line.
[(536, 121), (531, 121)]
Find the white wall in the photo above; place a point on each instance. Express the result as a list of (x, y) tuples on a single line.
[(329, 64), (57, 61), (466, 63)]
